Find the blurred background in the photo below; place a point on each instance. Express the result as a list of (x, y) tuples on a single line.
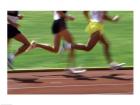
[(36, 25)]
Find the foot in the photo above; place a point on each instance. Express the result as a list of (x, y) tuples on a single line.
[(11, 58), (77, 70), (116, 66), (32, 46), (10, 65)]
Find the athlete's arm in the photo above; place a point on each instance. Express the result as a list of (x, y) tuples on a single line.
[(109, 18), (20, 17), (66, 17)]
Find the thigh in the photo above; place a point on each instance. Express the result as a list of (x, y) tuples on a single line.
[(67, 36), (94, 38), (103, 39), (21, 38), (57, 39)]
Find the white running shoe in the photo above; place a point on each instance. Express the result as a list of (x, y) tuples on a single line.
[(32, 46), (66, 45), (77, 70), (11, 57), (10, 60), (10, 65), (116, 66)]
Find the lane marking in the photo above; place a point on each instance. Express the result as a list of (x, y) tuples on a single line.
[(127, 93), (57, 82), (82, 85)]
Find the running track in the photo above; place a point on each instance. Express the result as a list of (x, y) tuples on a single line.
[(59, 82)]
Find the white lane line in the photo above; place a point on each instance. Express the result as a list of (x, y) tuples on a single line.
[(60, 86), (127, 93), (57, 82)]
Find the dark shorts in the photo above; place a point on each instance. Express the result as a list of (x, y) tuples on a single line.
[(12, 31), (58, 26)]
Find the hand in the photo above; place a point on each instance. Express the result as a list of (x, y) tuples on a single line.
[(71, 18), (116, 18), (16, 25), (20, 17)]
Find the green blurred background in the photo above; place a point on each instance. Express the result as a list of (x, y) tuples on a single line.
[(36, 25)]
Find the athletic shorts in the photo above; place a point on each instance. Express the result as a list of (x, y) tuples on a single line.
[(12, 31), (58, 26), (94, 26)]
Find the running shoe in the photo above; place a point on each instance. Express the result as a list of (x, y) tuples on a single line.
[(10, 60), (77, 70), (10, 65), (11, 57), (116, 66)]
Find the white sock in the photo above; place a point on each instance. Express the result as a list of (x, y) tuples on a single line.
[(67, 45)]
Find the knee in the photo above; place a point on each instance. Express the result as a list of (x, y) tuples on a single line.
[(56, 50), (88, 48), (26, 44)]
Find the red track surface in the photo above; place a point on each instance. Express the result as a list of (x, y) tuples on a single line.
[(91, 82)]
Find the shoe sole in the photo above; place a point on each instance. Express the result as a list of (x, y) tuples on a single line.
[(78, 71), (118, 66)]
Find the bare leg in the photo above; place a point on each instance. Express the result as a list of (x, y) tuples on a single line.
[(105, 44), (95, 37), (54, 49), (21, 38), (68, 37), (65, 34)]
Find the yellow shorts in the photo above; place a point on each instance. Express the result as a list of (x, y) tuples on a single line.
[(94, 26)]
